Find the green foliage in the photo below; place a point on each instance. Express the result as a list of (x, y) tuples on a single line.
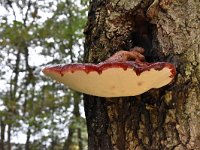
[(30, 101)]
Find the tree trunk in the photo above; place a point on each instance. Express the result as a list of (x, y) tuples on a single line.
[(68, 141), (165, 118), (9, 136), (28, 135), (80, 139), (2, 135)]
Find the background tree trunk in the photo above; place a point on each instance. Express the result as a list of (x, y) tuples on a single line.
[(28, 135), (165, 118), (2, 134)]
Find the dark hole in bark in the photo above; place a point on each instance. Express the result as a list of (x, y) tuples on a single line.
[(143, 37)]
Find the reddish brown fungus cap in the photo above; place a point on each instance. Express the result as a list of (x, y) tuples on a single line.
[(113, 79)]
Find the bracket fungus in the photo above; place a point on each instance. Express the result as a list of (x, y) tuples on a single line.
[(123, 74)]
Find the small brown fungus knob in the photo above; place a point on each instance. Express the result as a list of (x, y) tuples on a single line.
[(134, 54)]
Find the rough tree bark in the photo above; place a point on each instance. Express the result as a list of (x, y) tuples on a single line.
[(166, 118)]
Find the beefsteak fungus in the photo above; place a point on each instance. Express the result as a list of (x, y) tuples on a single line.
[(123, 74)]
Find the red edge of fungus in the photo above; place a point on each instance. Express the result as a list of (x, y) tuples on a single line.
[(139, 67)]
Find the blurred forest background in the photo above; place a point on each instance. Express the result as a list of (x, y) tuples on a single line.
[(37, 113)]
